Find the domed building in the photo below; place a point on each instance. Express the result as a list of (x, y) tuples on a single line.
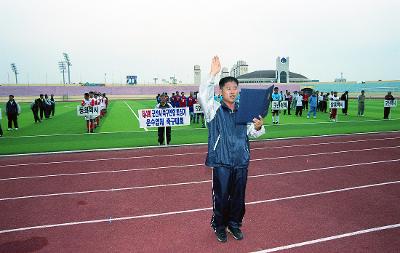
[(280, 75)]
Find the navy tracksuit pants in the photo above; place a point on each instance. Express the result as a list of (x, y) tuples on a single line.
[(229, 187)]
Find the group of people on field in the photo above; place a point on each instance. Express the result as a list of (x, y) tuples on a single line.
[(43, 106), (91, 99), (319, 101)]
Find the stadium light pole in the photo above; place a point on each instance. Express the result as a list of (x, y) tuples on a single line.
[(14, 69), (68, 62), (61, 66)]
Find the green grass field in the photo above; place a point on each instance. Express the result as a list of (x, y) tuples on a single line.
[(120, 128)]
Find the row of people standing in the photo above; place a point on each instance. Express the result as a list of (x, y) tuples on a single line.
[(43, 107), (179, 99), (91, 99)]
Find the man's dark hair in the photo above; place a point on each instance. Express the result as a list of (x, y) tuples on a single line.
[(227, 79)]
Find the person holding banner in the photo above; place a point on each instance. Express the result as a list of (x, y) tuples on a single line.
[(386, 109), (275, 96), (228, 153), (89, 121), (164, 105), (333, 115)]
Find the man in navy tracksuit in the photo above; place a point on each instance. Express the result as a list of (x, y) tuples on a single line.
[(228, 153), (12, 110)]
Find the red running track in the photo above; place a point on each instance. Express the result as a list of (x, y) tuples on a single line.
[(299, 191)]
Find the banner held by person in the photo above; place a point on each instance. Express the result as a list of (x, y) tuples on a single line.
[(337, 104), (390, 103), (164, 117), (279, 105), (197, 108), (88, 110)]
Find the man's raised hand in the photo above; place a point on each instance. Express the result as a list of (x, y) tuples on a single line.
[(215, 66)]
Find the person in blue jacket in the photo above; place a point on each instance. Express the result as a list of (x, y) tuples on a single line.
[(313, 105), (228, 153)]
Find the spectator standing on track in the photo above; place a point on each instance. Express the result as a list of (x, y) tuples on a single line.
[(313, 106), (228, 153), (299, 104), (386, 110), (35, 110), (345, 98), (164, 105), (13, 110), (361, 103)]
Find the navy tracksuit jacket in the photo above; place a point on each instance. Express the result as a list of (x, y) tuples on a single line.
[(229, 155)]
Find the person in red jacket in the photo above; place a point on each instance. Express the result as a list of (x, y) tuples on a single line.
[(190, 103), (183, 101)]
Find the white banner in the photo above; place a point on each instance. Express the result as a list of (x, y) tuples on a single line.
[(88, 110), (336, 104), (390, 103), (279, 105), (197, 108), (164, 117)]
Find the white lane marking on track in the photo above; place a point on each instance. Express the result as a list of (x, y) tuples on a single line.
[(192, 153), (190, 144), (330, 238), (188, 165), (193, 182), (192, 210), (134, 113)]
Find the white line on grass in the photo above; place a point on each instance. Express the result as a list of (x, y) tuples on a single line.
[(189, 165), (193, 182), (330, 238), (134, 113), (191, 153), (191, 144), (192, 210)]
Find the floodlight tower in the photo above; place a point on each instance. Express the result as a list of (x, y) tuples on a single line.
[(61, 66), (14, 69), (68, 62)]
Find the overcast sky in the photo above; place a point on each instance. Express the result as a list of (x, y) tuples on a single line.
[(162, 38)]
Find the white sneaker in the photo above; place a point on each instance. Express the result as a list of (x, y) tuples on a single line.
[(9, 129), (16, 129), (315, 117), (308, 117)]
